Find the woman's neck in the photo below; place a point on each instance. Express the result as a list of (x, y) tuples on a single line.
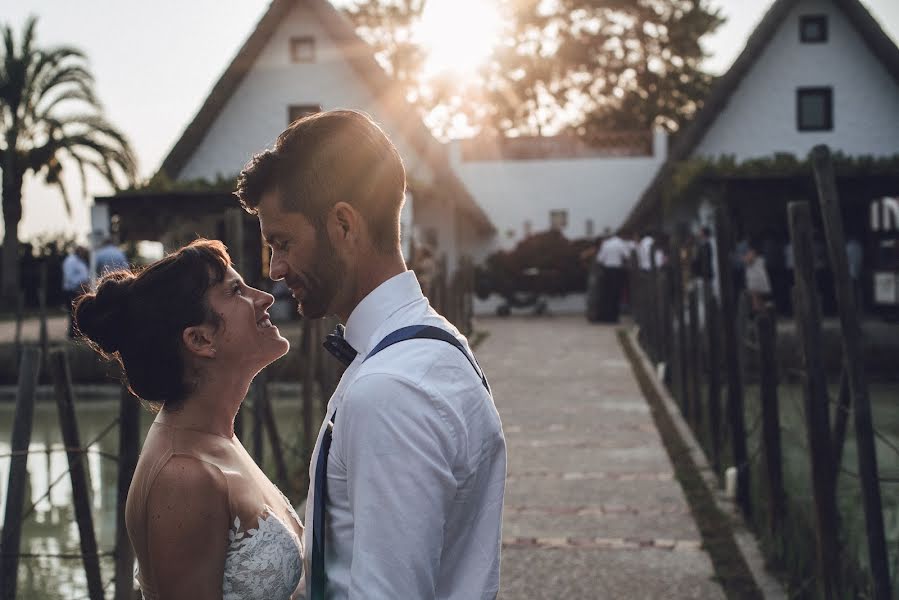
[(212, 406)]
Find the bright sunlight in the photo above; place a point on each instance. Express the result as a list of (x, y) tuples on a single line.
[(458, 35)]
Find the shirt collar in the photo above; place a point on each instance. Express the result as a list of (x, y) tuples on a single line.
[(378, 306)]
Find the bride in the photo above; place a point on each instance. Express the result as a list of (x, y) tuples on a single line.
[(204, 520)]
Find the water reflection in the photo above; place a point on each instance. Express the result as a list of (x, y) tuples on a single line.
[(51, 528)]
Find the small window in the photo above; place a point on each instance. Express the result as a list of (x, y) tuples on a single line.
[(302, 49), (301, 110), (814, 109), (813, 29)]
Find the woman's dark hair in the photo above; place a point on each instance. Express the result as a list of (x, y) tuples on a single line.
[(137, 319)]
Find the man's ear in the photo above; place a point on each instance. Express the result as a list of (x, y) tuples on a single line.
[(198, 341), (344, 225)]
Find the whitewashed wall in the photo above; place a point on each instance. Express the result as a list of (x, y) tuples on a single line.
[(258, 110), (760, 118), (514, 191)]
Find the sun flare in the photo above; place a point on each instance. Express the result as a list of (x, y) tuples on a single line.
[(458, 35)]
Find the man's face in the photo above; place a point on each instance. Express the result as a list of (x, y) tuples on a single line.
[(303, 257)]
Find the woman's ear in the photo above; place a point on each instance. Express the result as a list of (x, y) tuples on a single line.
[(198, 341)]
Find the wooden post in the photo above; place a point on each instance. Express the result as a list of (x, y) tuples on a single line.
[(841, 423), (20, 317), (29, 369), (680, 342), (271, 425), (695, 359), (129, 442), (817, 411), (854, 364), (767, 336), (713, 332), (65, 402), (42, 306), (667, 321), (725, 248)]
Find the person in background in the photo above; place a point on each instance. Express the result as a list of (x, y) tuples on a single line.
[(75, 277), (702, 265), (612, 256), (425, 268), (644, 252), (757, 282), (109, 257), (854, 258)]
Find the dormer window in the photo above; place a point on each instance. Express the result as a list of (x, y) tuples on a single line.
[(813, 29), (302, 49)]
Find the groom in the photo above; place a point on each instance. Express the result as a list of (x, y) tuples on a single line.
[(408, 472)]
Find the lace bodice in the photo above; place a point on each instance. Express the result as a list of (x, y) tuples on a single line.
[(263, 562), (264, 556)]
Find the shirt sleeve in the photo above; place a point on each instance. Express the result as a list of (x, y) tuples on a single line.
[(399, 450)]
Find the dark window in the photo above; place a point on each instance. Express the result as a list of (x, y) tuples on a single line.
[(814, 109), (302, 49), (301, 110), (813, 29)]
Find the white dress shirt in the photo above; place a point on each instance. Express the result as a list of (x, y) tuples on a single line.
[(614, 252), (417, 466)]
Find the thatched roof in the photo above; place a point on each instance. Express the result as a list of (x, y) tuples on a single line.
[(361, 58), (878, 42)]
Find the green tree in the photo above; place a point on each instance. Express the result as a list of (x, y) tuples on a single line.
[(587, 66), (49, 117)]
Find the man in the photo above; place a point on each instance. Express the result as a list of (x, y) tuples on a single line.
[(109, 257), (613, 255), (408, 473), (75, 277)]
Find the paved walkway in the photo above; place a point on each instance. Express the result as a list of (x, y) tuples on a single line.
[(593, 510)]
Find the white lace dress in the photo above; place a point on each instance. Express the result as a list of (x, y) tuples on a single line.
[(264, 562), (264, 559)]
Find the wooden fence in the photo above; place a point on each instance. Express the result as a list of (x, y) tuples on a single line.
[(793, 485)]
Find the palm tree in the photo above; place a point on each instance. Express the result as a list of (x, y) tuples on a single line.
[(49, 117)]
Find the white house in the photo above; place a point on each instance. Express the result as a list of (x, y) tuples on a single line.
[(534, 184), (304, 56), (813, 72)]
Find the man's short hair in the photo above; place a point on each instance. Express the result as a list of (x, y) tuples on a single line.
[(326, 158)]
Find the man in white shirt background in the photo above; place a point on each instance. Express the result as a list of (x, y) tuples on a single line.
[(614, 252), (75, 276), (408, 473)]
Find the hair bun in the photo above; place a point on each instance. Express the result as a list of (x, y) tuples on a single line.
[(102, 317)]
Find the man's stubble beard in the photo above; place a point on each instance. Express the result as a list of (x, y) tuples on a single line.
[(329, 276)]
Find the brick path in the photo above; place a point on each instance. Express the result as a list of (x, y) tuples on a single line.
[(592, 506)]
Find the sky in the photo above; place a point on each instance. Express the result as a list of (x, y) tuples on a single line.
[(155, 62)]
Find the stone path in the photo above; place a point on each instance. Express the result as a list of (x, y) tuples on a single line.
[(592, 506)]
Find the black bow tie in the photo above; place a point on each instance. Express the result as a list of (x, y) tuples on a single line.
[(337, 345)]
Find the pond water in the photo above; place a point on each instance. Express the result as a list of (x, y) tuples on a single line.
[(51, 527)]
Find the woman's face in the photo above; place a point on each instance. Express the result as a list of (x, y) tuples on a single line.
[(245, 336)]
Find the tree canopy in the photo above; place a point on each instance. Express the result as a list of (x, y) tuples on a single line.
[(50, 117), (581, 66)]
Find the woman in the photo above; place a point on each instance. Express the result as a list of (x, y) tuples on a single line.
[(204, 520)]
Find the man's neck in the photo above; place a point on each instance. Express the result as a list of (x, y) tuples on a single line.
[(370, 274)]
